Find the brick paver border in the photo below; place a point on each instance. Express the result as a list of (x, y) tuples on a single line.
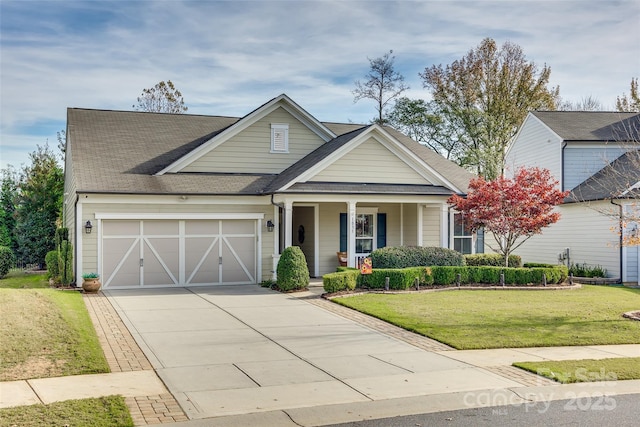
[(123, 355)]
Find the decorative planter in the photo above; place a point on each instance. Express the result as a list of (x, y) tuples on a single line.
[(91, 286)]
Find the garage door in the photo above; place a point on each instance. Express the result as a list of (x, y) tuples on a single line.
[(157, 253)]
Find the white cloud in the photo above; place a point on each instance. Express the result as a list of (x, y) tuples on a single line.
[(230, 57)]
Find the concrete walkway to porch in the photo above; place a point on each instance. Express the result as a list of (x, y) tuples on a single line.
[(236, 355)]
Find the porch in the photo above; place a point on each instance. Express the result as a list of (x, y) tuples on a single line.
[(322, 228)]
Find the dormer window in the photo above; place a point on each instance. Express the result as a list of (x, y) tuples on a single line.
[(279, 138)]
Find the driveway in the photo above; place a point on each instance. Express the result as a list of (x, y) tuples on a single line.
[(231, 350)]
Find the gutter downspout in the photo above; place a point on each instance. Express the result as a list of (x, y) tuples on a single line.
[(75, 238), (564, 145), (620, 223)]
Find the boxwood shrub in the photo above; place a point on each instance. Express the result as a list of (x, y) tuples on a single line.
[(340, 281), (447, 276), (496, 260), (292, 271), (399, 278), (415, 256)]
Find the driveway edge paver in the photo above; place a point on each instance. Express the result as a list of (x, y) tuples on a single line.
[(123, 355)]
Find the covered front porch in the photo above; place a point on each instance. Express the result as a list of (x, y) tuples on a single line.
[(322, 226)]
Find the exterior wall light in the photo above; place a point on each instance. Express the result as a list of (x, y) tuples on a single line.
[(270, 226), (88, 227)]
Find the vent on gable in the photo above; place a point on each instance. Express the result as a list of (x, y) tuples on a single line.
[(279, 138)]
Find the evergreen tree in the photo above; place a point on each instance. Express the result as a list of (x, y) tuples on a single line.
[(39, 203)]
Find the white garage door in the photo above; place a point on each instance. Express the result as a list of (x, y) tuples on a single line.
[(178, 252)]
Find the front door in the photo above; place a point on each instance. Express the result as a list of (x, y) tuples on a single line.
[(303, 235)]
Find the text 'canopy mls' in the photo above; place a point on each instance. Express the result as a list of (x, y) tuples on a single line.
[(512, 210)]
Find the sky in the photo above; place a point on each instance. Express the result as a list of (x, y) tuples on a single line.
[(229, 57)]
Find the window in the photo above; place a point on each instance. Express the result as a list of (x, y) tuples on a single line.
[(364, 233), (279, 138), (462, 237)]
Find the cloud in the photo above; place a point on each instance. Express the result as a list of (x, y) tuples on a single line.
[(230, 57)]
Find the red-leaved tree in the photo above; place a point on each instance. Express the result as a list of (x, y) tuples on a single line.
[(512, 210)]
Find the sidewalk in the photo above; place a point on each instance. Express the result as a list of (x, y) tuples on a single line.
[(150, 402)]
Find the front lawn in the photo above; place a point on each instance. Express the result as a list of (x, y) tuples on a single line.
[(97, 412), (587, 370), (45, 332), (466, 319)]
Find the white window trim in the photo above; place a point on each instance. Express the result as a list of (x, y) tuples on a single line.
[(374, 212), (452, 227), (284, 127)]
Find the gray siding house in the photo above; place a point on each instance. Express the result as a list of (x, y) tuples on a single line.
[(186, 200), (595, 156)]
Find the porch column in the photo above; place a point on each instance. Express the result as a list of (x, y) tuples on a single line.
[(401, 224), (352, 234), (420, 220), (288, 224), (444, 226)]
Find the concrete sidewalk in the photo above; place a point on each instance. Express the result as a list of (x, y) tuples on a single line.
[(244, 354)]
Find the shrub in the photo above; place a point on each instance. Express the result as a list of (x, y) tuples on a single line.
[(446, 276), (7, 259), (399, 278), (539, 265), (495, 260), (65, 266), (341, 281), (584, 270), (415, 256), (53, 268), (292, 270)]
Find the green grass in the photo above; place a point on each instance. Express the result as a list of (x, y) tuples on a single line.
[(99, 412), (468, 319), (574, 371), (18, 279), (50, 332)]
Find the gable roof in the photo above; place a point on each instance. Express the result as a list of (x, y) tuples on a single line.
[(592, 125), (122, 152), (219, 137), (618, 180)]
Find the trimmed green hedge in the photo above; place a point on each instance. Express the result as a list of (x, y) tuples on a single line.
[(399, 279), (340, 281), (446, 276), (414, 256), (51, 259), (495, 260)]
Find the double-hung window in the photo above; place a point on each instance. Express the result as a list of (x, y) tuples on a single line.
[(462, 236)]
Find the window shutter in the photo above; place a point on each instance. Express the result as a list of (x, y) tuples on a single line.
[(382, 230), (343, 232), (480, 241)]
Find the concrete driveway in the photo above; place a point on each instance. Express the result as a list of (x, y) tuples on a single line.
[(231, 350)]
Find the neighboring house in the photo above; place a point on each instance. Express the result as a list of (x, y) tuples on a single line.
[(182, 200), (595, 156)]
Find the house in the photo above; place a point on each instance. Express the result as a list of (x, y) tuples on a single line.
[(595, 156), (157, 199)]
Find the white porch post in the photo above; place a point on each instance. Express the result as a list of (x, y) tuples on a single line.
[(288, 223), (444, 226), (352, 234), (401, 224), (419, 219)]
